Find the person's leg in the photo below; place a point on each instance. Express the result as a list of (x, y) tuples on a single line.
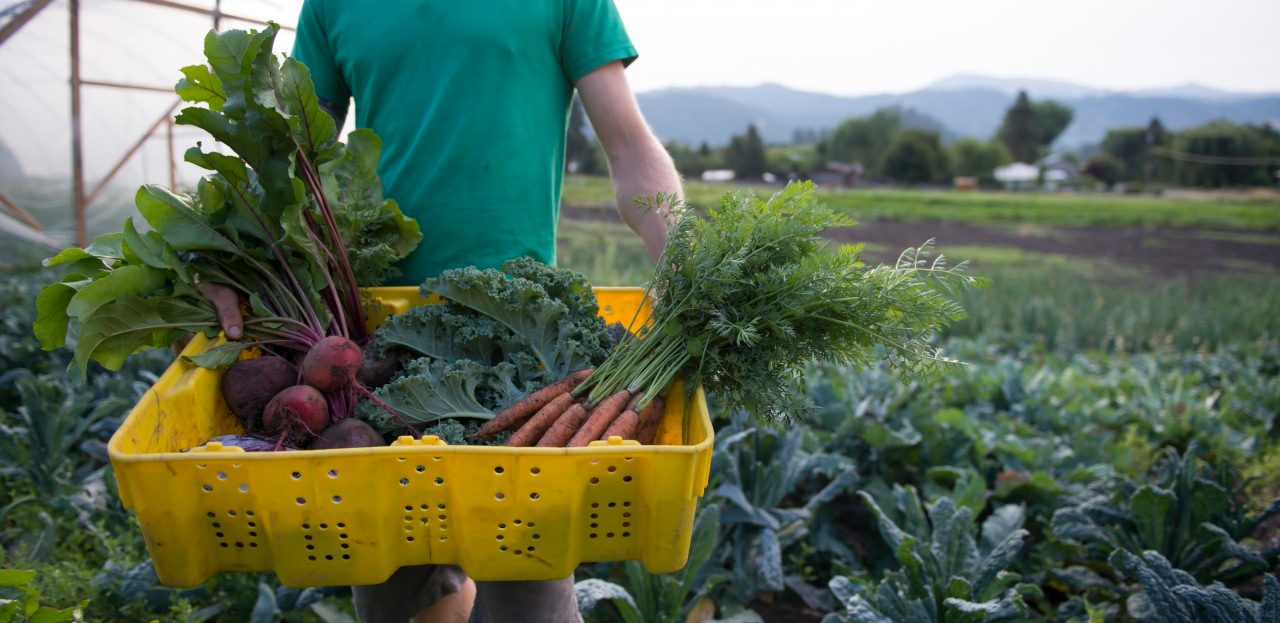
[(549, 601), (411, 591), (454, 608)]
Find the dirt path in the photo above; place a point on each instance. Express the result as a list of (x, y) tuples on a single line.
[(1163, 251)]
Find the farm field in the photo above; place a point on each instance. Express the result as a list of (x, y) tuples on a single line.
[(1119, 417)]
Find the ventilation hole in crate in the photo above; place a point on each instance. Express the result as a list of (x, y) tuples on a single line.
[(341, 525), (423, 507), (208, 488), (236, 465), (443, 526), (439, 480), (499, 537), (497, 470), (218, 534), (437, 458), (301, 501), (328, 556), (626, 524), (626, 514), (612, 504), (409, 507), (440, 506), (210, 513), (502, 526), (296, 475), (249, 513), (253, 534), (306, 526), (518, 553), (337, 499), (346, 556), (244, 488), (409, 538), (306, 537), (502, 548), (224, 544), (202, 466), (404, 482), (216, 524), (595, 525), (324, 526), (342, 535), (443, 539), (626, 534), (592, 535), (344, 546), (609, 534), (626, 503), (595, 505), (443, 516), (222, 475), (333, 473), (408, 517), (628, 458), (408, 528), (535, 471), (594, 460), (253, 524), (252, 544), (420, 468), (400, 458), (311, 558), (612, 469), (239, 544), (626, 479), (595, 481), (516, 522), (530, 548), (231, 513), (536, 535), (425, 520), (533, 495), (531, 524), (499, 495), (595, 515)]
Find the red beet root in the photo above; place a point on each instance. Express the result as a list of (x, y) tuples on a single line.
[(247, 387), (331, 364), (296, 415), (349, 433)]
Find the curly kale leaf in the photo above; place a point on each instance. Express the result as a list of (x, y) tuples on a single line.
[(429, 391), (560, 339), (445, 332)]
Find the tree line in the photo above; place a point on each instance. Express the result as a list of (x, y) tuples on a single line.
[(900, 146)]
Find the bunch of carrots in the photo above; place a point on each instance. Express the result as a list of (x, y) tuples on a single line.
[(556, 417)]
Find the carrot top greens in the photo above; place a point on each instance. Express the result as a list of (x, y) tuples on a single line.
[(750, 293)]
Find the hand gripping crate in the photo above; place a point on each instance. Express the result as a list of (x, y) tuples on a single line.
[(353, 516)]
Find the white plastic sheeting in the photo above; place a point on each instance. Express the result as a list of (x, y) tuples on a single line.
[(121, 41)]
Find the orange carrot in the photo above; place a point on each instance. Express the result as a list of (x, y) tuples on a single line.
[(520, 410), (624, 426), (649, 420), (564, 427), (532, 430), (600, 418)]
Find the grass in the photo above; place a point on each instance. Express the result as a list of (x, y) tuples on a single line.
[(997, 207)]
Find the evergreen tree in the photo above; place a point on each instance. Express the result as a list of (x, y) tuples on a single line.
[(745, 154)]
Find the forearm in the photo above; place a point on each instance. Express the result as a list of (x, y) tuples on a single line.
[(643, 169)]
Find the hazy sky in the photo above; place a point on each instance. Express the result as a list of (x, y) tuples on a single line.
[(857, 46)]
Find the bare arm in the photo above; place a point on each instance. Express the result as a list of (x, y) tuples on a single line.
[(638, 163)]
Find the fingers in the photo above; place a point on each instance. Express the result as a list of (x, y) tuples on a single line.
[(227, 304), (181, 343)]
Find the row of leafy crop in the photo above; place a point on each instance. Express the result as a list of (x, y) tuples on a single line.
[(1032, 487)]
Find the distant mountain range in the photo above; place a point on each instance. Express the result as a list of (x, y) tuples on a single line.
[(964, 105)]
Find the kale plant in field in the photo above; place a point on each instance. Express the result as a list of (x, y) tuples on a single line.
[(1171, 595), (1190, 514), (951, 571)]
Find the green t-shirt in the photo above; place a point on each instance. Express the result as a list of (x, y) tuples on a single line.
[(471, 100)]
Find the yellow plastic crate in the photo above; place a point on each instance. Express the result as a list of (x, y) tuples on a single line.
[(353, 516)]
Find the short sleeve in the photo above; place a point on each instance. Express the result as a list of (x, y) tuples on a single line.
[(311, 46), (593, 36)]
